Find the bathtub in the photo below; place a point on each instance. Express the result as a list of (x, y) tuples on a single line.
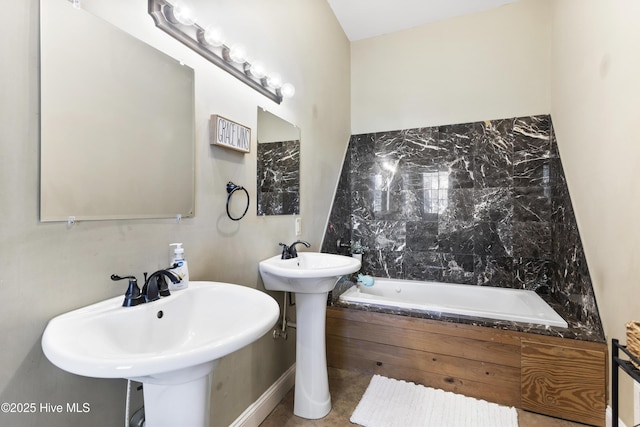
[(466, 300)]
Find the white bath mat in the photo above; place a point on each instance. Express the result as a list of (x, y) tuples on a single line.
[(393, 403)]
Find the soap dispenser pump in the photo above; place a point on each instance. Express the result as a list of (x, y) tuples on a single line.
[(179, 268)]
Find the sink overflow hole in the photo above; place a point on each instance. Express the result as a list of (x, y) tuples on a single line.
[(160, 314)]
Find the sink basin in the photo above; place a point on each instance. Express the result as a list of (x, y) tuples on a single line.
[(310, 276), (170, 342), (310, 272)]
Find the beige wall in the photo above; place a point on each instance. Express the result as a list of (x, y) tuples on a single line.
[(595, 91), (487, 65), (49, 268)]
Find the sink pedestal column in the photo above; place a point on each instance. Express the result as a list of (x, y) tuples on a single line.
[(179, 401), (312, 398)]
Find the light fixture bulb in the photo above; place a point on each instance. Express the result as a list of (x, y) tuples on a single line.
[(287, 90), (274, 81), (214, 36), (257, 70), (238, 53), (183, 14)]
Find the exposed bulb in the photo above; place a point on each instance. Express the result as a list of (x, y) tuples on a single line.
[(238, 53), (214, 36), (257, 70), (274, 81), (287, 90), (183, 14)]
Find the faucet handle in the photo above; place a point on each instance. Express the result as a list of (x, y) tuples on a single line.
[(285, 251), (133, 296)]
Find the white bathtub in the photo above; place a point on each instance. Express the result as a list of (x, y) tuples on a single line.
[(468, 300)]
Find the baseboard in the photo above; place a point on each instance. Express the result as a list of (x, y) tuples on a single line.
[(610, 418), (636, 403), (259, 410)]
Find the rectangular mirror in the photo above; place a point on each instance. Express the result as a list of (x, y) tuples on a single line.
[(117, 122), (278, 165)]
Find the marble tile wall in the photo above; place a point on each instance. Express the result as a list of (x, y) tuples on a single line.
[(482, 203), (278, 178)]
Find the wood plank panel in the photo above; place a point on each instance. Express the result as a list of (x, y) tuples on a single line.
[(503, 392), (563, 381), (557, 376), (467, 348), (424, 325), (340, 349)]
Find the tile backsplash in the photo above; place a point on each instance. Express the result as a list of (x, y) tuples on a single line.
[(482, 203)]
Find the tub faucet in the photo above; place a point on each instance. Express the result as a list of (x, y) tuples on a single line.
[(155, 286), (290, 251)]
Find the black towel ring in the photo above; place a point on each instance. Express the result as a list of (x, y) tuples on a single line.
[(232, 188)]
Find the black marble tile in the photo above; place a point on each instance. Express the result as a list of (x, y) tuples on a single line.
[(532, 240), (493, 238), (459, 140), (381, 235), (457, 205), (532, 134), (421, 265), (422, 235), (361, 152), (482, 203), (461, 173), (389, 146), (493, 161), (531, 273), (494, 271), (532, 204), (493, 204), (531, 169), (422, 148), (458, 269), (383, 263), (456, 237)]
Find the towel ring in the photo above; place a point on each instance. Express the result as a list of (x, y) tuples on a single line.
[(232, 188)]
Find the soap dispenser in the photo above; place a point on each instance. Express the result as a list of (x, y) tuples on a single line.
[(179, 268)]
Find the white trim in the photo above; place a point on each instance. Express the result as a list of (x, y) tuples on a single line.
[(609, 422), (259, 410), (636, 403)]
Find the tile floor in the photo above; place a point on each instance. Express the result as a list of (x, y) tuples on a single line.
[(347, 387)]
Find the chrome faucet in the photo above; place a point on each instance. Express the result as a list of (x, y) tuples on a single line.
[(155, 286), (290, 251)]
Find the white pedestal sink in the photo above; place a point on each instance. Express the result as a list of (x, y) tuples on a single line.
[(310, 276), (171, 345)]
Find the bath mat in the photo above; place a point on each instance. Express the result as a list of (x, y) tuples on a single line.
[(393, 403)]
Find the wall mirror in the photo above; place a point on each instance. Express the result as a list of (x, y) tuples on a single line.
[(278, 155), (117, 122)]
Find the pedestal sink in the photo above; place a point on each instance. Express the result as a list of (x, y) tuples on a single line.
[(171, 345), (310, 276)]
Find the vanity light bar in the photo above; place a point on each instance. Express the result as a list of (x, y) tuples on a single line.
[(177, 21)]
